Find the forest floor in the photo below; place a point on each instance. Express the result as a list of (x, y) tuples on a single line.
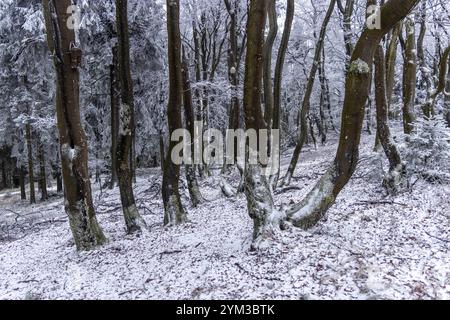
[(370, 246)]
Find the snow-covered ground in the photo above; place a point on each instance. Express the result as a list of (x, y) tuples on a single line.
[(370, 246)]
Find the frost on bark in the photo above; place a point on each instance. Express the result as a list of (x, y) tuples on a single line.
[(304, 110), (447, 95), (133, 220), (322, 196), (73, 146), (395, 176), (194, 189), (173, 209), (409, 77), (259, 198)]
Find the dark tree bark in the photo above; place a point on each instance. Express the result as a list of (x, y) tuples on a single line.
[(42, 172), (409, 78), (73, 146), (396, 168), (23, 194), (314, 206), (194, 189), (28, 138), (133, 219), (304, 111), (115, 101), (267, 73), (173, 209)]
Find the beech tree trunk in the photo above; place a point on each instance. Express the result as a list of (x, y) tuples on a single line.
[(133, 219), (173, 209), (409, 78), (396, 168), (314, 206), (303, 129), (259, 198), (73, 146), (194, 189)]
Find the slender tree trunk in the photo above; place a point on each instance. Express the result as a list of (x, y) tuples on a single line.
[(303, 129), (409, 78), (396, 167), (133, 219), (290, 10), (447, 96), (314, 206), (194, 189), (42, 173), (267, 73), (348, 38), (173, 209), (391, 60), (30, 162), (115, 101), (23, 194)]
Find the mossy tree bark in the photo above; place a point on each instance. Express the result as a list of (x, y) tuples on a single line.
[(314, 206), (133, 220), (173, 209), (73, 146), (304, 111)]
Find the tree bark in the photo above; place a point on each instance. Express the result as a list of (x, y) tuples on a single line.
[(173, 209), (73, 146), (133, 220), (115, 96), (267, 72), (409, 78), (396, 168), (304, 111), (42, 172), (194, 189), (30, 162), (314, 206), (23, 194)]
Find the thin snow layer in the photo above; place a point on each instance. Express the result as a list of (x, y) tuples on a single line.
[(370, 246)]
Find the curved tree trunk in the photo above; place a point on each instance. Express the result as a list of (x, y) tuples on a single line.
[(73, 145), (290, 10), (409, 78), (133, 219), (314, 206), (173, 209), (303, 129), (396, 167)]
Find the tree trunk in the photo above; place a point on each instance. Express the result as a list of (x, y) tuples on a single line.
[(23, 194), (409, 78), (115, 96), (267, 72), (447, 96), (133, 219), (396, 167), (314, 206), (290, 10), (391, 60), (173, 209), (194, 190), (30, 162), (259, 198), (303, 129), (42, 173), (73, 146)]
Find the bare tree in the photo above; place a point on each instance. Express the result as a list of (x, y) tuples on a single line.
[(409, 77)]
